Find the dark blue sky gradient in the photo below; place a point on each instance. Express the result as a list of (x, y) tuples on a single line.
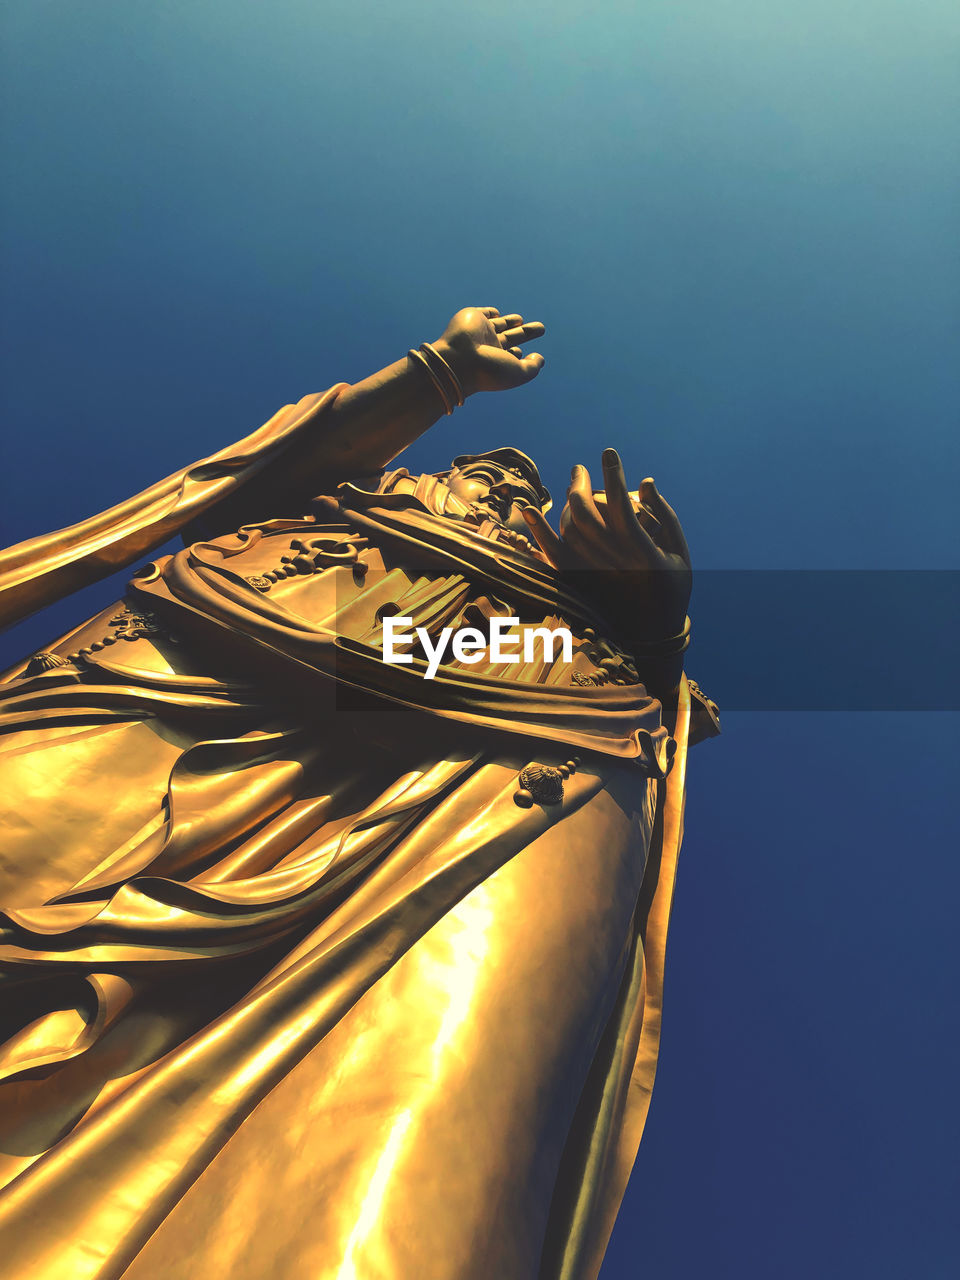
[(739, 220)]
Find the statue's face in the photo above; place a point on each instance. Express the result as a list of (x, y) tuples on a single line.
[(502, 490)]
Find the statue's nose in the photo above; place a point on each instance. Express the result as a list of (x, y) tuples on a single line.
[(502, 495)]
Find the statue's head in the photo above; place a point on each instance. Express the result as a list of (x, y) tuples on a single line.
[(503, 480)]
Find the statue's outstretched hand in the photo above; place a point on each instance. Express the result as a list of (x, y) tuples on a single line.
[(485, 349), (625, 551)]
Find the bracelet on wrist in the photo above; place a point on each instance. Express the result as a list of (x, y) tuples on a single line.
[(441, 374), (419, 358), (445, 370)]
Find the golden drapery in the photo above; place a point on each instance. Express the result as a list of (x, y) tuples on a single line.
[(292, 983)]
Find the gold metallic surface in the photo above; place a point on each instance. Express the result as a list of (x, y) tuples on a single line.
[(309, 965)]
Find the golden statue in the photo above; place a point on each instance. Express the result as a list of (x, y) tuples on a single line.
[(315, 964)]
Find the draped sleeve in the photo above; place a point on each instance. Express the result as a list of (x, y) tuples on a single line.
[(38, 572)]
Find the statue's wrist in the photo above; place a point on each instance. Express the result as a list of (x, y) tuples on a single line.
[(662, 641), (462, 367), (660, 667)]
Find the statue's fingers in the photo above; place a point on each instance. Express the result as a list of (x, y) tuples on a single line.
[(583, 522), (667, 517), (647, 519), (620, 509), (583, 509), (522, 333), (622, 514), (529, 365), (619, 502), (585, 552), (507, 322), (489, 312), (593, 546), (546, 539), (517, 351)]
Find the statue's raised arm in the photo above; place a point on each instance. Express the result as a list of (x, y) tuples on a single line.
[(314, 444)]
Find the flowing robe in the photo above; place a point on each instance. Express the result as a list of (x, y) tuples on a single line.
[(297, 977)]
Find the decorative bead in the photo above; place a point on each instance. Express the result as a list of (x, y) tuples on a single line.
[(563, 771), (572, 764), (544, 783), (523, 798), (41, 662)]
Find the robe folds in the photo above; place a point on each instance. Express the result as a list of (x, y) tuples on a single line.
[(302, 970)]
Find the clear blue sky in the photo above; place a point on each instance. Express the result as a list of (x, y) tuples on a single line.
[(739, 220)]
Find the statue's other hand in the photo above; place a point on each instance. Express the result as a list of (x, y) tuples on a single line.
[(485, 349), (624, 550)]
